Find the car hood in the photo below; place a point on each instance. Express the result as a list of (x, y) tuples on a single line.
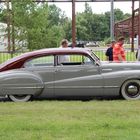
[(109, 66)]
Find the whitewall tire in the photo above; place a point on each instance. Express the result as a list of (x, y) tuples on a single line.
[(131, 90), (20, 98)]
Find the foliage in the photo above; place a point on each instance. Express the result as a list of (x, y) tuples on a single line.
[(95, 27), (39, 25), (35, 25), (107, 41)]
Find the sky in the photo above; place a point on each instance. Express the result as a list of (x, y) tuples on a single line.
[(97, 7)]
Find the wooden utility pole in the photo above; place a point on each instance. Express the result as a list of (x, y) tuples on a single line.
[(112, 20), (132, 30), (8, 25), (73, 25), (13, 29), (139, 26)]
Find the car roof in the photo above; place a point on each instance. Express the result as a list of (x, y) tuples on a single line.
[(60, 50), (47, 51), (55, 51)]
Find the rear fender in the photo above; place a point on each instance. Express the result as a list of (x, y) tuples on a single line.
[(20, 83)]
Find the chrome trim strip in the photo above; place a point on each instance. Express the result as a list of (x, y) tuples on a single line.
[(64, 87), (111, 86), (86, 87), (106, 69), (24, 87), (127, 68)]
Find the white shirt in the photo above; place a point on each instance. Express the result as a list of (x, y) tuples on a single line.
[(63, 58)]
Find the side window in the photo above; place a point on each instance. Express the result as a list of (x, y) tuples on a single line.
[(87, 61), (40, 61), (63, 59), (75, 59)]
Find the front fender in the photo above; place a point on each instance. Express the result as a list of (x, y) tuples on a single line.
[(20, 83), (116, 79)]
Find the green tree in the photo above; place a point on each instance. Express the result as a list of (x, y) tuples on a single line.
[(67, 27), (39, 25), (127, 15), (118, 15), (35, 26), (29, 23), (90, 26), (84, 22)]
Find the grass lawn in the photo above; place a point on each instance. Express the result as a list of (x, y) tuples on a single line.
[(70, 120)]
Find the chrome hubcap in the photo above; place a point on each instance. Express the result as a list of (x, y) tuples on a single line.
[(133, 89)]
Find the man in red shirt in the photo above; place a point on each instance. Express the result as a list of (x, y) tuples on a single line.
[(118, 51)]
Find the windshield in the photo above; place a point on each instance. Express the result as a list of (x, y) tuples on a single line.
[(95, 57)]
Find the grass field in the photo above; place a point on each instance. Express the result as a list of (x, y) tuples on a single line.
[(70, 120)]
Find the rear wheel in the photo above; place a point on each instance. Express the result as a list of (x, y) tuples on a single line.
[(131, 90), (20, 98)]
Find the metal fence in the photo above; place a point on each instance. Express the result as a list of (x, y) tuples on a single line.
[(6, 56), (130, 56)]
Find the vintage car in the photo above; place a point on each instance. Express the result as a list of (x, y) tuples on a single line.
[(43, 74)]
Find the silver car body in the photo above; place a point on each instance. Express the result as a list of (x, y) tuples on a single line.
[(92, 79)]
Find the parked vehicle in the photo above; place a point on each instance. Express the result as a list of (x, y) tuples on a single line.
[(40, 74), (79, 44), (92, 44)]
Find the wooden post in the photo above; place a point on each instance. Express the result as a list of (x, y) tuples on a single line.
[(73, 24), (132, 32), (139, 26), (13, 29), (8, 25), (112, 20)]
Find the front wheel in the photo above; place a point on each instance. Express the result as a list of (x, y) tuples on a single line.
[(131, 90), (20, 98)]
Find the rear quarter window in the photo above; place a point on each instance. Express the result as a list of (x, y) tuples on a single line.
[(40, 61)]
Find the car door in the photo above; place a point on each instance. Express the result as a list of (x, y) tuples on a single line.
[(79, 77), (43, 66)]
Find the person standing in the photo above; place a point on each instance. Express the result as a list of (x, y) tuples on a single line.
[(63, 58), (118, 51), (138, 54), (109, 51), (64, 43)]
